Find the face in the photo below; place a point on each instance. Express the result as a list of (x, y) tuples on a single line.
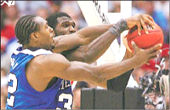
[(65, 26), (45, 34)]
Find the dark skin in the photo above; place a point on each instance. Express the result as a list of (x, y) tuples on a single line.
[(59, 66), (92, 49), (65, 26), (90, 52)]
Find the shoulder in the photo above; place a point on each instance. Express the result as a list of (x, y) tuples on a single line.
[(50, 64), (25, 55), (49, 59)]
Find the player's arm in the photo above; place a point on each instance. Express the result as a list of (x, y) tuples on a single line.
[(92, 51), (82, 37), (56, 65), (121, 80), (88, 34)]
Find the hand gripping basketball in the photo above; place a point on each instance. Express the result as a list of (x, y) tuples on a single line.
[(142, 56), (154, 36)]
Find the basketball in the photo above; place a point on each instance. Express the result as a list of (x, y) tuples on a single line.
[(144, 40)]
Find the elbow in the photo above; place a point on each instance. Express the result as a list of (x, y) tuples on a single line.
[(83, 39), (99, 77), (81, 57), (84, 57), (88, 58), (97, 80)]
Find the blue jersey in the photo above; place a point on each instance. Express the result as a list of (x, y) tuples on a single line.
[(22, 96)]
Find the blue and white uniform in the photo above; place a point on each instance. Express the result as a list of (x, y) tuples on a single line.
[(22, 96)]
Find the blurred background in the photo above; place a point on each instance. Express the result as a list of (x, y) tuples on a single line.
[(159, 10)]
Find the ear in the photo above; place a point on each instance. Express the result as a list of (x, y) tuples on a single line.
[(34, 36)]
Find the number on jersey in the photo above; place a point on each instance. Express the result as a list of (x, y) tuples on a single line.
[(69, 97), (11, 89)]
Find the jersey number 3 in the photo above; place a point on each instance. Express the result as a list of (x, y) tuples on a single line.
[(67, 105), (11, 89)]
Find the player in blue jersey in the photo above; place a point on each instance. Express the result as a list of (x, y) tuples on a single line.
[(37, 62)]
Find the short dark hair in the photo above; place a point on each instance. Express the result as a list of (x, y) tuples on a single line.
[(52, 19), (24, 27)]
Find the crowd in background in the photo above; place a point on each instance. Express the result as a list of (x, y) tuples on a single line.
[(159, 10)]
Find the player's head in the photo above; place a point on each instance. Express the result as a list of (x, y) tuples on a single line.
[(33, 31), (62, 23)]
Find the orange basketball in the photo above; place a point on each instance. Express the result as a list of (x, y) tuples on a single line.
[(144, 41)]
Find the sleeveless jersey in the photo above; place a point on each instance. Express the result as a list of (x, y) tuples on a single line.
[(22, 96)]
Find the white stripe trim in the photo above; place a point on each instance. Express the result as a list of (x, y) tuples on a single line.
[(34, 53)]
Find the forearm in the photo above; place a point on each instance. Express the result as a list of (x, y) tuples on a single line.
[(121, 80), (107, 76), (101, 44), (127, 55), (95, 49), (91, 52), (81, 71), (98, 75), (81, 37), (116, 84), (94, 31), (112, 70)]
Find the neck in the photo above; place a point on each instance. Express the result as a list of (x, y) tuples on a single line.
[(27, 46), (30, 46), (34, 47)]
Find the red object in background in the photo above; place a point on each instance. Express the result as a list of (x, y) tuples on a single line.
[(165, 50), (144, 41), (150, 65), (71, 82), (7, 33)]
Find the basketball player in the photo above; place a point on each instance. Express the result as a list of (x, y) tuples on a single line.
[(63, 24), (34, 65)]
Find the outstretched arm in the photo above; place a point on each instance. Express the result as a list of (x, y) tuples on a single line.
[(56, 65), (82, 37), (92, 51)]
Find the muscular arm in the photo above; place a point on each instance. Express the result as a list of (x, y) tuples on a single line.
[(88, 34), (45, 67), (81, 37), (55, 65), (121, 80), (91, 52)]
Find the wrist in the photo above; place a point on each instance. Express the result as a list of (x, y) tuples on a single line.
[(134, 61), (119, 27)]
